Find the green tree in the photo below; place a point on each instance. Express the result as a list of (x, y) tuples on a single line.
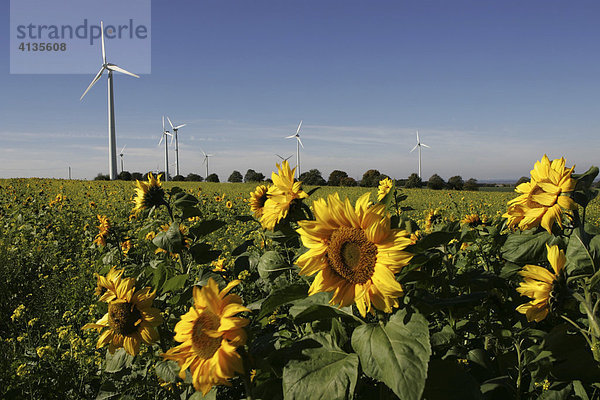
[(371, 178), (191, 177), (253, 176), (471, 184), (436, 182), (522, 179), (413, 181), (137, 176), (212, 178), (312, 177), (178, 178), (124, 176), (335, 177), (456, 183), (236, 177), (348, 181)]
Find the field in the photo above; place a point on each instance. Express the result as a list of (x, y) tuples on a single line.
[(50, 253)]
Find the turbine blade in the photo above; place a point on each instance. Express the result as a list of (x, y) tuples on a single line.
[(289, 137), (298, 137), (180, 126), (203, 152), (172, 138), (299, 125), (203, 161), (279, 156), (424, 145), (168, 133), (418, 137), (289, 157), (170, 123), (123, 149), (414, 148), (161, 139), (114, 67), (103, 51), (98, 75), (163, 119)]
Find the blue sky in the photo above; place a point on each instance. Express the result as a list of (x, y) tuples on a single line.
[(490, 85)]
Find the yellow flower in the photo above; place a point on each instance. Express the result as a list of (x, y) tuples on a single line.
[(150, 235), (130, 319), (218, 199), (354, 253), (126, 246), (149, 194), (281, 195), (18, 313), (543, 199), (257, 200), (106, 287), (104, 230), (229, 204), (542, 285), (385, 185), (433, 217), (472, 220), (44, 350), (209, 334), (218, 265)]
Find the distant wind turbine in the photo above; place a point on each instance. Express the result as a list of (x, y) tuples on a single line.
[(164, 137), (121, 155), (112, 146), (419, 144), (284, 159), (298, 144), (175, 129), (206, 161)]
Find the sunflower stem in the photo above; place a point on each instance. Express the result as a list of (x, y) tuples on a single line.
[(519, 368), (246, 377)]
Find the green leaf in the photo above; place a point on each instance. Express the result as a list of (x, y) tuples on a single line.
[(189, 212), (175, 283), (168, 370), (316, 307), (446, 380), (182, 200), (117, 361), (171, 240), (435, 239), (585, 180), (327, 373), (282, 296), (107, 391), (206, 227), (579, 259), (203, 254), (271, 264), (211, 395), (396, 354), (526, 247)]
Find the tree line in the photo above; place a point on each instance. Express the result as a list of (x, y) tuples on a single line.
[(314, 177)]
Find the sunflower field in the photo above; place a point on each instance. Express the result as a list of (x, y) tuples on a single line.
[(152, 290)]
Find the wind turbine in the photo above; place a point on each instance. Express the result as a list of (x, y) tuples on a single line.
[(298, 144), (175, 129), (164, 137), (121, 155), (206, 161), (112, 146), (419, 144), (284, 159)]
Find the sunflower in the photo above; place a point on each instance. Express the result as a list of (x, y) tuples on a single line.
[(106, 287), (543, 199), (543, 286), (209, 334), (104, 229), (281, 195), (149, 194), (385, 185), (433, 217), (126, 246), (471, 220), (257, 200), (229, 204), (354, 253), (130, 319)]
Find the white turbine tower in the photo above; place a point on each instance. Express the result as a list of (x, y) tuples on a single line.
[(419, 144), (175, 129), (298, 144), (121, 155), (112, 145), (164, 137), (206, 161)]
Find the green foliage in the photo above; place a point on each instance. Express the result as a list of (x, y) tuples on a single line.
[(335, 177), (235, 177), (371, 178), (413, 182), (435, 182), (312, 177)]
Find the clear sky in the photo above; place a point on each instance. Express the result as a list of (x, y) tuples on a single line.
[(490, 85)]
